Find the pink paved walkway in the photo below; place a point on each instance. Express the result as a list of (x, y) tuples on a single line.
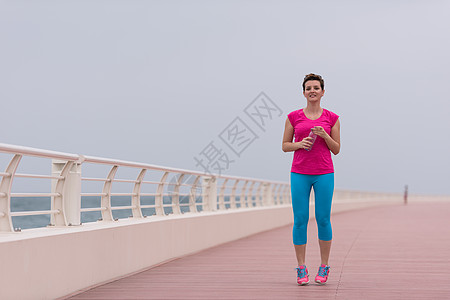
[(393, 252)]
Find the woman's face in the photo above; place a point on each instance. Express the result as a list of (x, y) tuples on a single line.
[(313, 91)]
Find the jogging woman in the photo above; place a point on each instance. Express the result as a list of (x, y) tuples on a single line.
[(312, 167)]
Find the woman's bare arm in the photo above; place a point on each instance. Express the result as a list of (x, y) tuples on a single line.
[(288, 145), (334, 139)]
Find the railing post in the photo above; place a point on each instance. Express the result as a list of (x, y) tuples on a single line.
[(259, 199), (250, 195), (159, 199), (106, 197), (242, 199), (136, 198), (209, 189), (233, 195), (267, 192), (5, 195), (193, 195), (222, 195), (176, 209), (70, 189)]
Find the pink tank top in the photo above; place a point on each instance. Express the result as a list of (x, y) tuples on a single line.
[(318, 160)]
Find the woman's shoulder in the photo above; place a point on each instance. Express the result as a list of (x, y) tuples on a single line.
[(295, 112), (333, 117), (294, 116), (330, 113)]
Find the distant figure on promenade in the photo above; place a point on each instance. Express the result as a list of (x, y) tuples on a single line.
[(317, 132)]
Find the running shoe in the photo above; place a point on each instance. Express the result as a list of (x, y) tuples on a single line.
[(322, 275), (302, 275)]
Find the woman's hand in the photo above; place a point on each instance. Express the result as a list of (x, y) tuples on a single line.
[(288, 136), (306, 143), (319, 131), (333, 141)]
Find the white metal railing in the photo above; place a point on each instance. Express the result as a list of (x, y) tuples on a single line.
[(205, 192)]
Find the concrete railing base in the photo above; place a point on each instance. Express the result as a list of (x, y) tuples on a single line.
[(54, 262)]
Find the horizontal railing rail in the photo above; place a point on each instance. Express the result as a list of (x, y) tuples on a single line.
[(172, 190)]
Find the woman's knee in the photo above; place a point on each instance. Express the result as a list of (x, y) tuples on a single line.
[(301, 221), (323, 222), (324, 229)]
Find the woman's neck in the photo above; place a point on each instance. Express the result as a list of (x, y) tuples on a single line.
[(313, 108)]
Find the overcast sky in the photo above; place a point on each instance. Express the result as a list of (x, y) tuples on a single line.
[(159, 81)]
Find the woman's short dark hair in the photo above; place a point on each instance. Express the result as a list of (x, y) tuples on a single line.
[(312, 76)]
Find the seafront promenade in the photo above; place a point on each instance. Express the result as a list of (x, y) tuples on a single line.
[(387, 252)]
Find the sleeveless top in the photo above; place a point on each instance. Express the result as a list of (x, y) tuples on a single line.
[(318, 160)]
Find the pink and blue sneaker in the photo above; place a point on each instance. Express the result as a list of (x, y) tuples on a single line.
[(302, 275), (322, 275)]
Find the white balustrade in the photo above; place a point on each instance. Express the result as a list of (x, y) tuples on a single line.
[(66, 189)]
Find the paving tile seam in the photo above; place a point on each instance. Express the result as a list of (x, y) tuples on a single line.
[(343, 264), (361, 229)]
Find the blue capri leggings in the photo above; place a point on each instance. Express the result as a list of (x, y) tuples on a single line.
[(300, 190)]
